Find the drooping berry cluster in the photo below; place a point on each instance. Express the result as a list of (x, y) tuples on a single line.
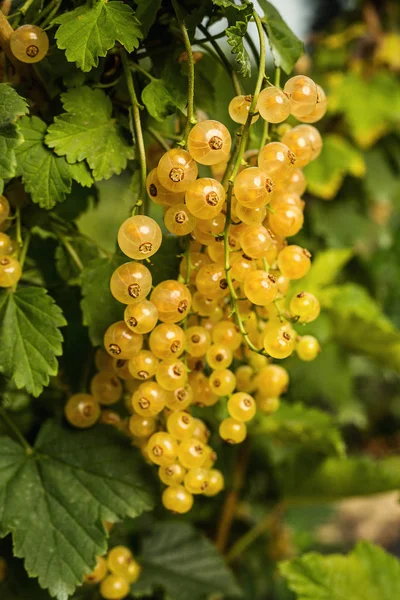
[(10, 268), (210, 335), (115, 573)]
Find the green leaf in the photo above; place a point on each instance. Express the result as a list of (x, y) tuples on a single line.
[(90, 31), (18, 586), (99, 307), (89, 134), (235, 35), (10, 139), (367, 573), (30, 338), (343, 223), (46, 177), (67, 267), (11, 104), (158, 100), (146, 12), (81, 174), (338, 157), (285, 46), (187, 565), (299, 424), (54, 500)]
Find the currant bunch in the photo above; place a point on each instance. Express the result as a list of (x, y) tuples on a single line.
[(115, 573)]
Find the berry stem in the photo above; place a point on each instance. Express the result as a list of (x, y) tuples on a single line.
[(24, 249), (138, 129), (191, 120), (159, 138), (140, 69), (49, 13), (12, 426), (230, 70), (71, 251), (277, 81)]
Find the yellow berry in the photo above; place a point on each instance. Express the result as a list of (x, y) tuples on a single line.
[(29, 43), (114, 587), (162, 448), (121, 342), (149, 399), (307, 348), (131, 282), (241, 406), (139, 237), (239, 108), (177, 170), (82, 410), (177, 499), (232, 431), (10, 271), (209, 142), (215, 483), (172, 474), (273, 105), (106, 387), (172, 300)]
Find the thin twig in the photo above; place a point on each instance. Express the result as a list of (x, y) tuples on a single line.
[(230, 70), (12, 426)]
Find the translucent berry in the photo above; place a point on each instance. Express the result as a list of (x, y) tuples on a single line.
[(222, 382), (215, 483), (176, 170), (172, 474), (313, 136), (286, 220), (219, 356), (241, 266), (197, 340), (4, 209), (177, 499), (278, 343), (295, 184), (260, 287), (29, 43), (319, 109), (307, 348), (300, 143), (180, 425), (98, 573), (139, 237), (253, 187), (239, 108), (159, 194), (205, 198), (167, 340), (303, 94), (256, 241), (82, 410), (267, 404), (305, 306), (273, 105), (242, 406), (232, 431), (102, 360), (149, 399), (294, 262), (191, 453), (211, 281), (273, 380), (172, 300), (227, 333), (121, 342), (209, 142), (179, 220), (121, 562), (171, 374), (162, 448), (200, 431), (143, 365), (141, 317), (106, 388), (277, 160), (196, 480), (197, 260), (114, 587), (250, 216), (180, 398), (141, 427), (131, 282)]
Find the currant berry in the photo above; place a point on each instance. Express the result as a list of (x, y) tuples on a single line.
[(196, 480), (256, 241), (102, 360), (215, 483), (313, 136), (7, 246), (191, 453), (143, 365), (180, 425), (239, 108), (149, 399), (202, 390), (197, 260), (141, 317), (172, 300), (277, 160), (82, 410), (300, 143), (98, 573), (222, 382), (273, 105), (106, 388), (121, 369), (131, 282), (287, 199), (162, 448), (241, 266), (200, 431), (177, 499), (198, 340), (121, 342), (121, 562), (179, 399), (29, 43), (294, 262), (211, 457), (227, 333), (219, 356), (253, 188), (114, 587), (305, 306), (242, 406), (295, 184), (142, 427), (250, 216), (286, 220), (267, 405), (211, 281), (209, 142), (10, 271), (278, 343), (273, 380), (167, 340), (4, 209), (178, 219), (139, 237), (260, 287), (159, 194), (172, 474), (177, 170), (319, 109), (205, 198), (171, 374), (307, 348), (303, 95), (232, 431), (245, 381)]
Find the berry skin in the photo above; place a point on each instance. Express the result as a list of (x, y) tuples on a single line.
[(303, 95), (196, 480), (305, 306), (314, 138), (121, 342), (319, 110), (267, 405), (273, 380), (121, 563), (172, 300), (260, 287), (121, 369), (177, 499), (200, 431), (197, 340), (299, 142), (102, 360), (219, 356), (241, 407), (159, 194), (10, 271), (178, 219), (82, 410), (167, 340), (250, 216), (273, 105), (287, 199), (215, 483), (106, 388), (227, 333), (211, 281), (130, 283), (139, 237), (205, 198), (180, 425), (29, 43), (256, 241), (177, 170), (141, 427), (98, 573), (197, 260), (209, 142), (232, 431), (295, 184), (179, 399), (241, 266), (172, 474), (307, 348), (149, 399), (7, 246), (162, 448), (222, 382), (191, 453), (253, 188), (4, 209), (277, 160), (286, 220), (114, 587), (239, 108), (141, 317), (171, 374), (294, 262), (143, 365), (278, 343)]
